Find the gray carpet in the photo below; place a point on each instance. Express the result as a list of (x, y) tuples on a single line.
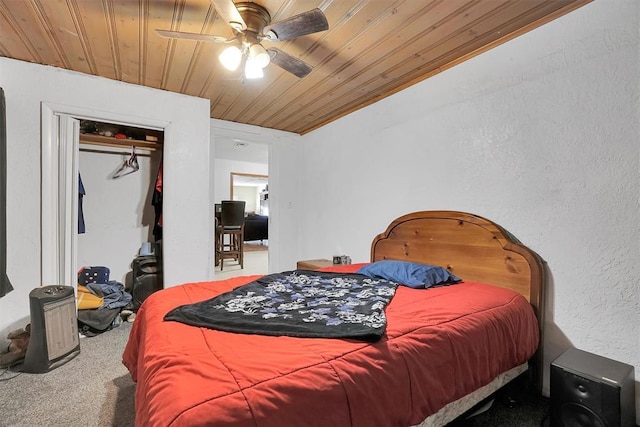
[(94, 389)]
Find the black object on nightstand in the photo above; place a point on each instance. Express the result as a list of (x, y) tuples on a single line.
[(591, 390)]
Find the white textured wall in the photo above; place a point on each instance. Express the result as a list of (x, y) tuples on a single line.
[(540, 135), (250, 196), (188, 231)]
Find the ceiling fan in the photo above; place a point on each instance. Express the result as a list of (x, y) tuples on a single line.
[(251, 24)]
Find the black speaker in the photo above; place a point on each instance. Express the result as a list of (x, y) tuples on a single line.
[(147, 278), (591, 390)]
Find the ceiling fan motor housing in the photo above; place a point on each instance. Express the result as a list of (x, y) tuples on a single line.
[(255, 17)]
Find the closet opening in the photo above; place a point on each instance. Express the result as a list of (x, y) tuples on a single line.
[(120, 205)]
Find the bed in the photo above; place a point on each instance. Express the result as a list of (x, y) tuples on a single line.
[(444, 349)]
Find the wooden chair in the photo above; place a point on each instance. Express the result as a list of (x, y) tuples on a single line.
[(231, 224)]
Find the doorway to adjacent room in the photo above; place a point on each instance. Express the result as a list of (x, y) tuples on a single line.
[(253, 189)]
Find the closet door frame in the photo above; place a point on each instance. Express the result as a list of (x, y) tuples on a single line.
[(59, 195), (60, 243)]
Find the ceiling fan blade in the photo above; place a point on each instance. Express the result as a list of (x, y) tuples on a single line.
[(305, 23), (289, 63), (191, 36), (229, 12)]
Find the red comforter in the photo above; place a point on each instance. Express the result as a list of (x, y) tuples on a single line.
[(440, 344)]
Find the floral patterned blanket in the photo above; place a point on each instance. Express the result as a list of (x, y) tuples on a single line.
[(297, 303)]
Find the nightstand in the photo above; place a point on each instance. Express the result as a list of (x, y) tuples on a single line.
[(314, 264)]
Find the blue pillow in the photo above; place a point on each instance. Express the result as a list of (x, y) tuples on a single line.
[(410, 274)]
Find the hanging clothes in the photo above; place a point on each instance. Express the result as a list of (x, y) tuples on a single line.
[(156, 201), (81, 194)]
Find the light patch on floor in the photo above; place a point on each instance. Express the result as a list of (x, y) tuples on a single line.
[(254, 263)]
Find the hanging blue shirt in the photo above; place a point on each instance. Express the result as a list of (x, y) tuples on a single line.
[(81, 193)]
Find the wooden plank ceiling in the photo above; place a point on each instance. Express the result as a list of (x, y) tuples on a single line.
[(373, 48)]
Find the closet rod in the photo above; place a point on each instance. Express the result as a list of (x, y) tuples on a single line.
[(122, 153), (88, 138)]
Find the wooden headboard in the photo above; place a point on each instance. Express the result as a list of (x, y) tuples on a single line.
[(471, 247)]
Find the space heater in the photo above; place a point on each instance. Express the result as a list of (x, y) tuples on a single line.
[(54, 336)]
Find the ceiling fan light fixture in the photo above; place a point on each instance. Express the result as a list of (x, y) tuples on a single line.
[(252, 69), (231, 58), (259, 54), (251, 24), (236, 26)]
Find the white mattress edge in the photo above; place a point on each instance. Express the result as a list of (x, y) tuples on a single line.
[(453, 410)]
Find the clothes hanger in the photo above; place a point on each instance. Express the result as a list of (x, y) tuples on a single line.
[(130, 165), (133, 160)]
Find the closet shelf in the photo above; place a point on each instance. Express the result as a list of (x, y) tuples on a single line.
[(94, 139)]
